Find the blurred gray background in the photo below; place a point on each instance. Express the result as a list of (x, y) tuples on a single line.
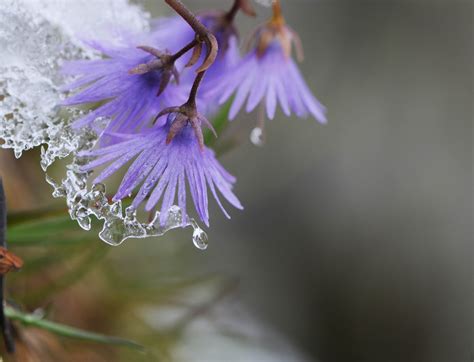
[(356, 240)]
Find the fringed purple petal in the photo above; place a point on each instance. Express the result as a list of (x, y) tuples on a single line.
[(312, 104), (115, 166), (272, 76), (240, 97), (220, 180), (137, 172), (195, 186), (202, 192), (282, 98), (257, 93), (101, 161), (120, 148), (271, 101), (158, 191), (150, 182), (169, 195), (210, 183), (162, 171), (182, 196)]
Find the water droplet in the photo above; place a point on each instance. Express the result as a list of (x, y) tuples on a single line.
[(130, 212), (257, 137), (84, 222), (266, 3), (100, 188), (200, 239)]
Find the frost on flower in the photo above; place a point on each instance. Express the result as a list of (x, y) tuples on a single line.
[(36, 38)]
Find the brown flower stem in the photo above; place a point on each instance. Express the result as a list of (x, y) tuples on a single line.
[(185, 49), (203, 35), (3, 215), (238, 5), (277, 8), (187, 15), (192, 95), (230, 15), (277, 18), (4, 322)]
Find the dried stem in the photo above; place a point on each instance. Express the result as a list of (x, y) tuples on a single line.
[(202, 35), (187, 113), (3, 216), (277, 8), (192, 95), (190, 18), (230, 15), (185, 49), (277, 18), (243, 5), (4, 322)]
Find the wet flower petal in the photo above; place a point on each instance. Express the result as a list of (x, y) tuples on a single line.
[(162, 170)]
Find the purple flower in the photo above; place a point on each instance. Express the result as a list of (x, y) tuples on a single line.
[(229, 53), (269, 75), (174, 33), (129, 89), (130, 95), (162, 168)]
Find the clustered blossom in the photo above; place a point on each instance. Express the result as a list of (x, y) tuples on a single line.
[(147, 90), (162, 168), (132, 100), (269, 76)]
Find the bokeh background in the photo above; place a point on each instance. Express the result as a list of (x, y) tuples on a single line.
[(356, 239)]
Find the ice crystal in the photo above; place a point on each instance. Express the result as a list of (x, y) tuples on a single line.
[(36, 36)]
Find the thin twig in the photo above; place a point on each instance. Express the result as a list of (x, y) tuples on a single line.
[(243, 5), (194, 89), (184, 50), (4, 322), (187, 15), (203, 35)]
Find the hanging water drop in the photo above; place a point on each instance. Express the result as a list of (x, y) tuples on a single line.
[(257, 137), (200, 239)]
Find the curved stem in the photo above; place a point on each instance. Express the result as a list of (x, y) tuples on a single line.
[(4, 322), (202, 35), (276, 8), (194, 89), (184, 50), (187, 15), (277, 17), (230, 15)]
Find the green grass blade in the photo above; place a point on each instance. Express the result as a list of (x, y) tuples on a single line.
[(44, 231), (67, 331)]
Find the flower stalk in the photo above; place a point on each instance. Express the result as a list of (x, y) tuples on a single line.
[(203, 35), (4, 322), (187, 113), (238, 5)]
